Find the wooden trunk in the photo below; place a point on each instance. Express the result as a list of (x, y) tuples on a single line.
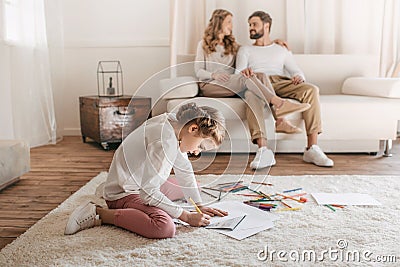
[(110, 119)]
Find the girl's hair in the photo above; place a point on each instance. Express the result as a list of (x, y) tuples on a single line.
[(214, 28), (211, 122)]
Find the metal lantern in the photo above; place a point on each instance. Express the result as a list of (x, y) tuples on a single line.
[(109, 78)]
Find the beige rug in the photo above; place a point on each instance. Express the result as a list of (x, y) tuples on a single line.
[(315, 234)]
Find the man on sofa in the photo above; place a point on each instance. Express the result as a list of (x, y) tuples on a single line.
[(266, 59)]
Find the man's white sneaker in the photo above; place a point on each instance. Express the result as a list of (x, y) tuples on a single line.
[(264, 158), (316, 156), (82, 217)]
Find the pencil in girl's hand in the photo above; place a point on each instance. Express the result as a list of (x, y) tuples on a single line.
[(195, 206)]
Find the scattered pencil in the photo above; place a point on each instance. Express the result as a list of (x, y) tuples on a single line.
[(264, 195), (257, 192), (248, 195), (303, 199), (288, 209), (262, 183), (214, 189), (286, 204), (337, 206), (292, 190), (263, 200), (299, 195), (292, 198), (231, 183), (330, 207), (208, 193), (261, 206)]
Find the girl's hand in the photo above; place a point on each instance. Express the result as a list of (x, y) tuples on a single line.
[(221, 77), (195, 218), (212, 212)]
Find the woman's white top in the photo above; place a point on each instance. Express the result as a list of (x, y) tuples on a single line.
[(217, 61), (144, 161)]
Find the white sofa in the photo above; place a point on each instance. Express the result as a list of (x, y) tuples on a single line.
[(357, 113), (14, 161)]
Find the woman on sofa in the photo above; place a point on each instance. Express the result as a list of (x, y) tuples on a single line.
[(215, 62)]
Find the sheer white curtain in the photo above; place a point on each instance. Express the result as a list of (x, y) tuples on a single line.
[(346, 27), (188, 21), (26, 98)]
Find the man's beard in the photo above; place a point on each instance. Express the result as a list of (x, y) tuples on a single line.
[(257, 35)]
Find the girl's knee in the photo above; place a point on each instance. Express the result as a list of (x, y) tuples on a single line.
[(166, 229)]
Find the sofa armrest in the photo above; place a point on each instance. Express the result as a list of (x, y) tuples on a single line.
[(378, 87), (179, 87)]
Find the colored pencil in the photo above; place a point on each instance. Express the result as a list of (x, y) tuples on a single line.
[(229, 183), (289, 197), (286, 205), (214, 189), (260, 206), (265, 195), (287, 209), (248, 195), (330, 207), (254, 191), (263, 200), (299, 195), (337, 206), (235, 188), (262, 183), (292, 190), (208, 193)]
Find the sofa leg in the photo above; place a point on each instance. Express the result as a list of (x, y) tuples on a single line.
[(387, 151)]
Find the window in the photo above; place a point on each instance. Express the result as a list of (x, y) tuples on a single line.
[(11, 21), (23, 21)]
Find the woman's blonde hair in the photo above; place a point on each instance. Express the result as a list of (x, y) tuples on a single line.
[(214, 28), (211, 122)]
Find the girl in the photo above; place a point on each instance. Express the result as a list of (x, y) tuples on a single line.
[(215, 62), (137, 192)]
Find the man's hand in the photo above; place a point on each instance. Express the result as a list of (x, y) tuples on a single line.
[(247, 72), (282, 43), (297, 80), (221, 77), (212, 212)]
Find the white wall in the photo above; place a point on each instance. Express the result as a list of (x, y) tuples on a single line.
[(132, 31), (6, 109)]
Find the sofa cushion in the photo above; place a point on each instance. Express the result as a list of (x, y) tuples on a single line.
[(380, 87), (231, 107), (179, 87)]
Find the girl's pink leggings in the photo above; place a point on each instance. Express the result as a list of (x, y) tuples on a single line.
[(148, 221)]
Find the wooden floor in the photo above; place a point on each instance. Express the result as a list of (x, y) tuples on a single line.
[(59, 170)]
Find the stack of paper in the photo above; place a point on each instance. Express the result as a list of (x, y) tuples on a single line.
[(255, 220), (345, 199)]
